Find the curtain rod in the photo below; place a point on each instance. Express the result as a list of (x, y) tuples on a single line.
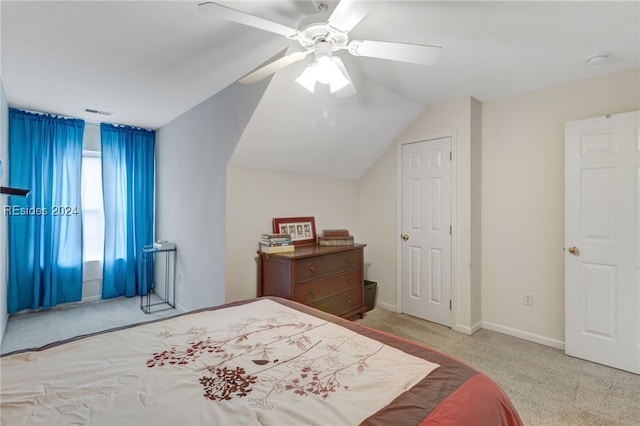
[(86, 122)]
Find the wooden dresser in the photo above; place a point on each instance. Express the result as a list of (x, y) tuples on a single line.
[(329, 278)]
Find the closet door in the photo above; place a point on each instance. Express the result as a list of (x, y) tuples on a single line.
[(602, 255), (426, 230)]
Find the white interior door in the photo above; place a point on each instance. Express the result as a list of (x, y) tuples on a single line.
[(426, 227), (602, 237)]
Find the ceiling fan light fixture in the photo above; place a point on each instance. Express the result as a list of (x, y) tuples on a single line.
[(329, 73), (308, 78), (325, 70), (335, 86), (348, 89)]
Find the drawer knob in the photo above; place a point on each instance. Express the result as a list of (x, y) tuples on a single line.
[(349, 260), (312, 292), (312, 269), (349, 302), (349, 280)]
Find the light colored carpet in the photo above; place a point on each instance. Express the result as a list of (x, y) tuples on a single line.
[(546, 386), (35, 329)]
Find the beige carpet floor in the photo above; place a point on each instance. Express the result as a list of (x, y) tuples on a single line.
[(546, 386)]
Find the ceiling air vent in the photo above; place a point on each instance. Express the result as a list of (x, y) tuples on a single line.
[(97, 111)]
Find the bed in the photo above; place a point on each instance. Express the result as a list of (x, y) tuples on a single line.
[(265, 361)]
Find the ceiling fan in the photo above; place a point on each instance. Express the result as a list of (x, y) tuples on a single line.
[(324, 34)]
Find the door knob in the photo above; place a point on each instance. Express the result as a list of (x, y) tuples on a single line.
[(405, 237), (574, 250)]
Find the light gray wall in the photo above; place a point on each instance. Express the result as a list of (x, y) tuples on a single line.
[(192, 152), (4, 156)]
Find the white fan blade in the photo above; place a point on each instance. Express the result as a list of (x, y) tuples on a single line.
[(403, 52), (243, 18), (349, 13), (273, 67)]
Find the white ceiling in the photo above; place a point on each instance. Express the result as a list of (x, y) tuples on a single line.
[(150, 61)]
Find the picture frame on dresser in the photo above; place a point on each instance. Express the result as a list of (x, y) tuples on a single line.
[(301, 229)]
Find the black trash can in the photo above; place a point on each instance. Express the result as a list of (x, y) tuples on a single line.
[(370, 290)]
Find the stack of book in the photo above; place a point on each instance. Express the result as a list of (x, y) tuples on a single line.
[(276, 243), (335, 237)]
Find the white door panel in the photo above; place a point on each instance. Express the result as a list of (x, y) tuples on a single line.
[(602, 222), (426, 219)]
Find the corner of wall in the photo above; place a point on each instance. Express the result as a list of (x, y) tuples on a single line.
[(192, 153), (4, 150), (476, 212)]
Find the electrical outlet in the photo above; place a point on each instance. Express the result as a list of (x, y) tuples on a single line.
[(527, 299)]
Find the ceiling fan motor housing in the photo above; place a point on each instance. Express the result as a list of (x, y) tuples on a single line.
[(315, 29)]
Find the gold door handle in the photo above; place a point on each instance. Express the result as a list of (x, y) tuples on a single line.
[(405, 237), (574, 250)]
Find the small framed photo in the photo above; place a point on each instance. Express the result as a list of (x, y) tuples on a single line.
[(301, 229)]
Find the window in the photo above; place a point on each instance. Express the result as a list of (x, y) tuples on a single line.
[(92, 207), (92, 203)]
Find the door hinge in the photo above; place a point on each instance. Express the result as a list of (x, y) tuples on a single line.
[(450, 155), (450, 230), (449, 304)]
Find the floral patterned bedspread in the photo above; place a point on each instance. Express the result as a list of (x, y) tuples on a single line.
[(261, 363)]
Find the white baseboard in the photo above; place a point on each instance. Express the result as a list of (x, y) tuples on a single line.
[(467, 330), (3, 326), (524, 335), (476, 327), (509, 331), (386, 306), (91, 299), (181, 308)]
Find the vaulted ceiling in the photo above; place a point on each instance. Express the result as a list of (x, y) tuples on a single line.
[(148, 62)]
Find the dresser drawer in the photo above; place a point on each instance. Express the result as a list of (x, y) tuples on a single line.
[(341, 303), (330, 278), (316, 267), (320, 289)]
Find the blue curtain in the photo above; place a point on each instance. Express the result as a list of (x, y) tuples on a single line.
[(128, 185), (45, 227)]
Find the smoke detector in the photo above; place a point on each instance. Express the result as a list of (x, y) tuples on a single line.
[(598, 59)]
